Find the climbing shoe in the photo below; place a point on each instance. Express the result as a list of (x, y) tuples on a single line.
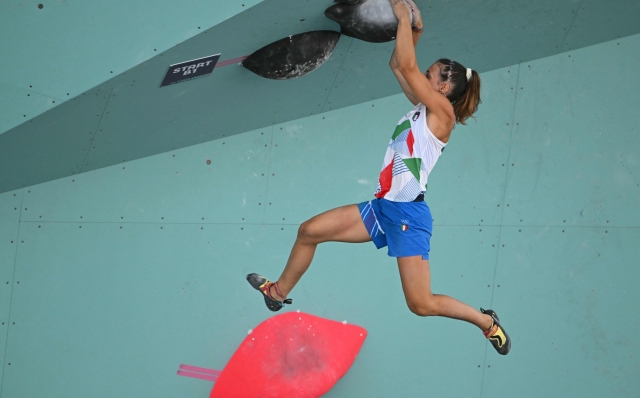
[(263, 285), (496, 334)]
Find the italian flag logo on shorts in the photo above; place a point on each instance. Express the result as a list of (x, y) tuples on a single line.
[(404, 227)]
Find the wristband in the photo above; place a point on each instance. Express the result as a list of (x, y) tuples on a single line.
[(417, 30)]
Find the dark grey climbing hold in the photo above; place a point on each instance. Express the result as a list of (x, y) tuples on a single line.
[(293, 56), (368, 20)]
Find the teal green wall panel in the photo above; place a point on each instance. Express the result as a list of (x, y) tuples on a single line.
[(174, 187), (575, 149), (566, 294), (9, 226), (18, 105), (594, 19), (72, 46), (117, 315), (33, 155)]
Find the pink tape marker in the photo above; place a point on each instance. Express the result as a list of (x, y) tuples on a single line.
[(231, 61), (197, 372)]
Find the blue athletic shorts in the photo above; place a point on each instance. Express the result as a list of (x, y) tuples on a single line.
[(405, 227)]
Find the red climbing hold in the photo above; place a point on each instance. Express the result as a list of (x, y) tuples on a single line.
[(290, 355)]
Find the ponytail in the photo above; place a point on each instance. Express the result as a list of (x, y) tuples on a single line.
[(464, 93), (465, 106)]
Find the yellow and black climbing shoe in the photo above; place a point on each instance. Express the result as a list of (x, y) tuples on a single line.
[(263, 285), (496, 334)]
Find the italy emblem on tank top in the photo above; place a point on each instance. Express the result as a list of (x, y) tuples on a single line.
[(410, 156)]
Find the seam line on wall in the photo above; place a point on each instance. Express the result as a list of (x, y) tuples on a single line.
[(322, 109), (13, 278), (506, 181), (35, 92), (96, 134), (266, 189), (608, 227), (564, 41), (504, 194)]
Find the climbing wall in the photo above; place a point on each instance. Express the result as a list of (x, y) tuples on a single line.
[(80, 82), (112, 278)]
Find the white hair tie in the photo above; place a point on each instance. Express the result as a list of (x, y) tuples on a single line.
[(468, 74)]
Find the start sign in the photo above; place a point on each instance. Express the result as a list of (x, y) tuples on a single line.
[(190, 70)]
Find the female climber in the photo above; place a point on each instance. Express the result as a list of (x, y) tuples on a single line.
[(448, 93)]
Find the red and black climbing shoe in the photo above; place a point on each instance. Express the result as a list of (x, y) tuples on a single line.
[(263, 285), (496, 334)]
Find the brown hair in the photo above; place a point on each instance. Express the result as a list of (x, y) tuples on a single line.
[(464, 95)]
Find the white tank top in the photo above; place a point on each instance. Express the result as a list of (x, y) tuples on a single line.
[(410, 157)]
